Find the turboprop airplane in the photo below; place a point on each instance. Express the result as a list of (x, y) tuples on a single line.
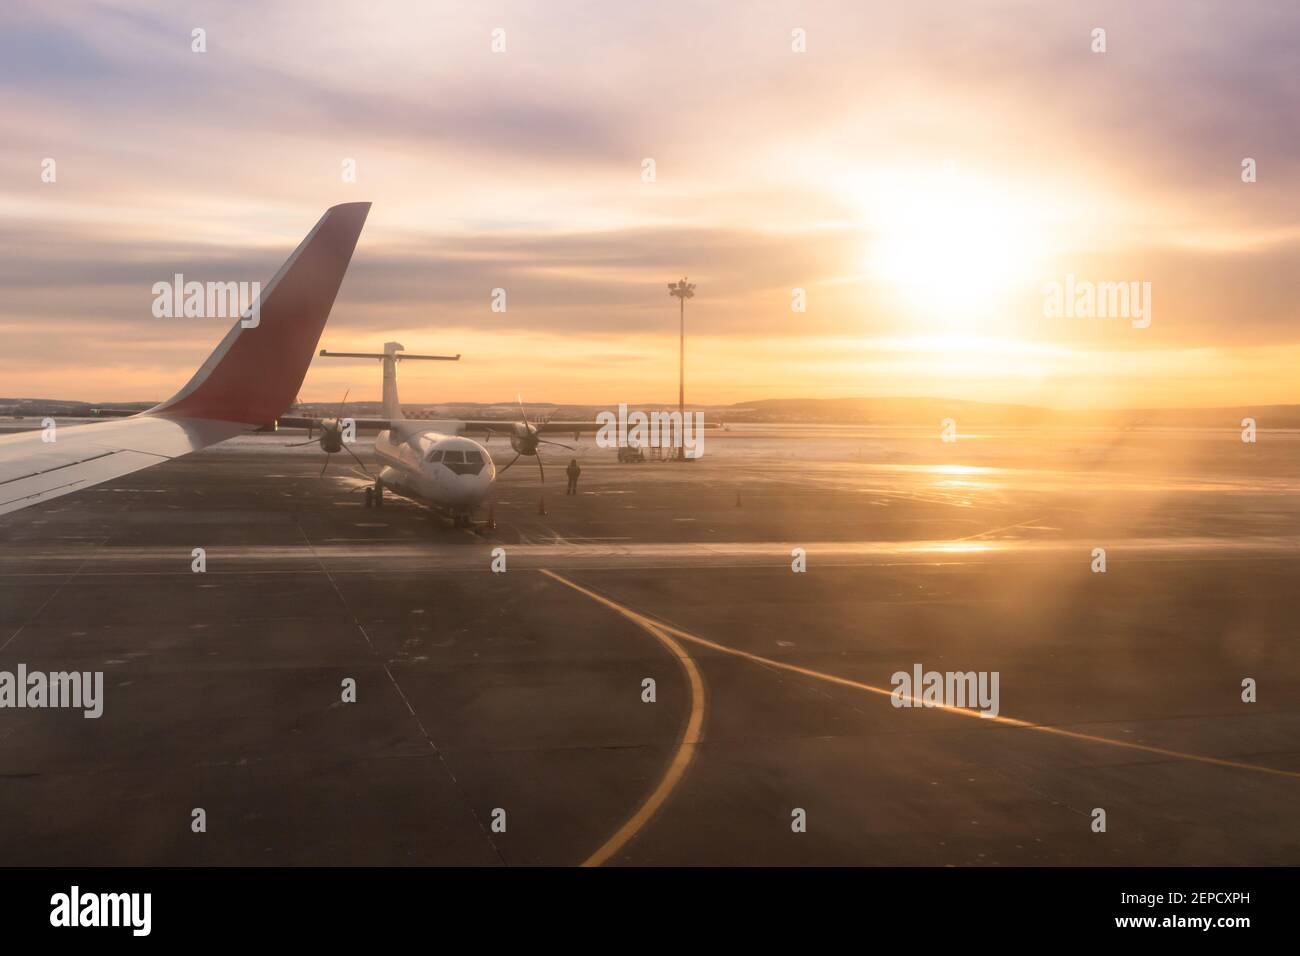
[(246, 383), (432, 462)]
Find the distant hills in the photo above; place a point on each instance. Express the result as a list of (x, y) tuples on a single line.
[(929, 411), (862, 411), (60, 408)]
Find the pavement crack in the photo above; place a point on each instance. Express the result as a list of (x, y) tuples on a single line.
[(397, 688)]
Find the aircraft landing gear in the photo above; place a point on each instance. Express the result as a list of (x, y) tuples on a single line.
[(375, 495)]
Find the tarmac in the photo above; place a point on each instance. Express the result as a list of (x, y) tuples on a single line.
[(501, 718)]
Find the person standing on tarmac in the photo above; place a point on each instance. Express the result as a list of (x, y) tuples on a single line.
[(573, 471)]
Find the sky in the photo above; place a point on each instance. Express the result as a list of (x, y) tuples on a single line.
[(873, 199)]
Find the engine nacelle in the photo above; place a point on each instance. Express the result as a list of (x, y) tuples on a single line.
[(331, 438), (524, 439)]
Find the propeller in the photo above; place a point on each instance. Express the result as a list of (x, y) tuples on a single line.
[(526, 439), (331, 438)]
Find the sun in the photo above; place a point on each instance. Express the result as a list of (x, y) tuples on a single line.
[(949, 248)]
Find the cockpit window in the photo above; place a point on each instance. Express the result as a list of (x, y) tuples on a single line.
[(461, 462), (435, 455)]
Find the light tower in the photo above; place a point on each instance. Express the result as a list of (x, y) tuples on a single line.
[(681, 291)]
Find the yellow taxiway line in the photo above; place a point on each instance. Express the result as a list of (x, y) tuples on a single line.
[(662, 631), (966, 712), (685, 745)]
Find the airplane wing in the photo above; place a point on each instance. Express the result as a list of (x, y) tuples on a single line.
[(556, 428), (368, 424), (505, 425), (33, 470), (452, 426), (252, 376)]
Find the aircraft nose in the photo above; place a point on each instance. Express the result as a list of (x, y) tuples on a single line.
[(474, 488)]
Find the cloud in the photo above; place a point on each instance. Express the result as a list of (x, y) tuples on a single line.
[(523, 170)]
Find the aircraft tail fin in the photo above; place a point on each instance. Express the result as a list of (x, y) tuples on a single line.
[(390, 356), (256, 371), (392, 407)]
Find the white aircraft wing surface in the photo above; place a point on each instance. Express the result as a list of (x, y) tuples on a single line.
[(33, 470), (246, 383)]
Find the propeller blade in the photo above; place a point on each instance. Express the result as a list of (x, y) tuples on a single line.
[(522, 414), (547, 441), (540, 468), (356, 459), (342, 405), (324, 466), (309, 441), (507, 467)]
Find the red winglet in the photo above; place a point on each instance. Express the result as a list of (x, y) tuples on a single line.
[(253, 376)]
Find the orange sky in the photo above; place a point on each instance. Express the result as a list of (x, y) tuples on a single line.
[(922, 175)]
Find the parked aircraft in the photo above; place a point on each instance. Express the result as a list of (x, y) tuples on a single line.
[(433, 463)]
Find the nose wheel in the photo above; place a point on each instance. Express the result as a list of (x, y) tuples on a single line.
[(375, 495)]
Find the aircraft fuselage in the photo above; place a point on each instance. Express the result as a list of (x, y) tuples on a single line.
[(447, 472)]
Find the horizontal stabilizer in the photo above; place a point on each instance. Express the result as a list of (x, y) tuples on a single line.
[(400, 356)]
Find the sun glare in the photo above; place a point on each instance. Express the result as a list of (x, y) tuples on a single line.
[(950, 248)]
